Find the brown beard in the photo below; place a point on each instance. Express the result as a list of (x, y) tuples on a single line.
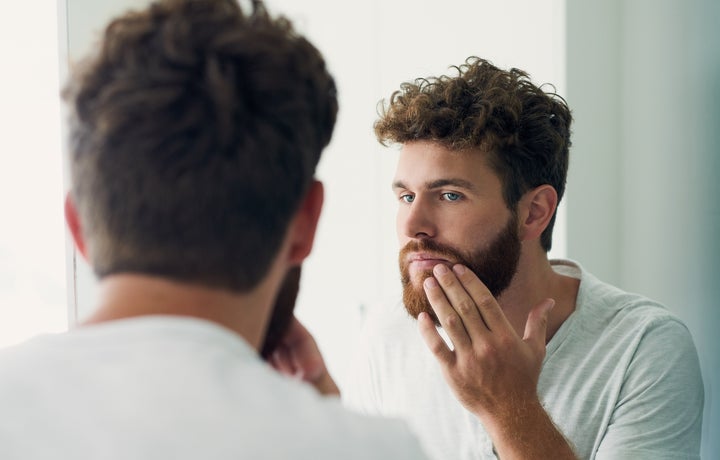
[(495, 265), (282, 313)]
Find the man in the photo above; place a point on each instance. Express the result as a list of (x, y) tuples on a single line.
[(195, 132), (528, 357)]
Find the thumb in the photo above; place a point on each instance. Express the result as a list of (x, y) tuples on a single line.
[(536, 325)]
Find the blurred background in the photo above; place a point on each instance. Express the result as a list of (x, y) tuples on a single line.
[(641, 210)]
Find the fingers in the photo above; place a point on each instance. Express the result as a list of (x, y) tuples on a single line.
[(282, 361), (446, 313), (464, 305), (297, 353), (536, 325), (468, 312), (432, 339), (487, 305)]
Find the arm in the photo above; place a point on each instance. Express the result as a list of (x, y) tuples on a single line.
[(492, 371), (298, 356)]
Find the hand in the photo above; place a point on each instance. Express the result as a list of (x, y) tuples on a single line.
[(298, 356), (492, 371)]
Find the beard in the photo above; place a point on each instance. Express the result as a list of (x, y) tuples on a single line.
[(282, 313), (495, 265)]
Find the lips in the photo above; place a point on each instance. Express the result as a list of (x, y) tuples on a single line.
[(425, 261)]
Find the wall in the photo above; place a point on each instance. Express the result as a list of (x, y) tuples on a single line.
[(643, 80), (32, 258)]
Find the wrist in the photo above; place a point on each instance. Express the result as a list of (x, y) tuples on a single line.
[(527, 431)]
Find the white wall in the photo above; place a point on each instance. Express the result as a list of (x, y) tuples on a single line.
[(643, 81), (32, 270)]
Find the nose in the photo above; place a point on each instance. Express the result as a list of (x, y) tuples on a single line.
[(415, 221)]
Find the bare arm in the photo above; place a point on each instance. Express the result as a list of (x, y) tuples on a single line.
[(492, 371)]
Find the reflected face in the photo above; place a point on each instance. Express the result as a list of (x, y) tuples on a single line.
[(451, 210), (283, 311)]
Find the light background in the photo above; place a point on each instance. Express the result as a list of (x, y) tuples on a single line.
[(642, 78)]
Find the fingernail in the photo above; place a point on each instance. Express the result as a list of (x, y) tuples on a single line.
[(441, 269), (459, 269), (430, 282), (550, 304)]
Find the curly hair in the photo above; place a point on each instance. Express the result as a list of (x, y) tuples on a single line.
[(195, 131), (524, 130)]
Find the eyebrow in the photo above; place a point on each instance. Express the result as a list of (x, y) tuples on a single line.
[(455, 182)]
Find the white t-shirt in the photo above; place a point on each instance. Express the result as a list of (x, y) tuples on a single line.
[(621, 380), (166, 387)]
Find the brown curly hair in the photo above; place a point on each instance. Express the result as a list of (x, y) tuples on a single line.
[(195, 131), (524, 130)]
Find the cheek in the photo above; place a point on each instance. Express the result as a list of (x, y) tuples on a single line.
[(472, 234), (461, 225)]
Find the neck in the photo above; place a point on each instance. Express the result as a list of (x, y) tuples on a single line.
[(535, 281), (132, 295)]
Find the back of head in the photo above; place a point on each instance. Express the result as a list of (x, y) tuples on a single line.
[(195, 131), (524, 130)]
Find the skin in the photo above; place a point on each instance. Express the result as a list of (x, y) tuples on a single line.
[(456, 198)]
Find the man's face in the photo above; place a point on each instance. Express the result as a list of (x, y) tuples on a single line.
[(451, 210)]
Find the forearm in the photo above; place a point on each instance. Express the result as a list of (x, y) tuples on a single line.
[(527, 433)]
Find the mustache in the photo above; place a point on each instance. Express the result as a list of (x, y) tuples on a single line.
[(428, 245)]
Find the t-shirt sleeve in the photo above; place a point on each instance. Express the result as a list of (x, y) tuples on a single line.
[(659, 412)]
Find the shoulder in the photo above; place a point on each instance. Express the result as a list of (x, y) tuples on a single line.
[(612, 307), (366, 436), (624, 323), (34, 356), (651, 336), (291, 408)]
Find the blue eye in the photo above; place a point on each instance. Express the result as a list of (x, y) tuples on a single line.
[(407, 198), (450, 196)]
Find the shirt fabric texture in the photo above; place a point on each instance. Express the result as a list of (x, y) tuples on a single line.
[(163, 387), (621, 380)]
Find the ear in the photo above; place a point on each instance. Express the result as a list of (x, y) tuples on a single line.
[(304, 224), (73, 221), (535, 211)]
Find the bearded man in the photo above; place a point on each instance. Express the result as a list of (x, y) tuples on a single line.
[(499, 351)]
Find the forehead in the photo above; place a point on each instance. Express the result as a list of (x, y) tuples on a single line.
[(422, 162)]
